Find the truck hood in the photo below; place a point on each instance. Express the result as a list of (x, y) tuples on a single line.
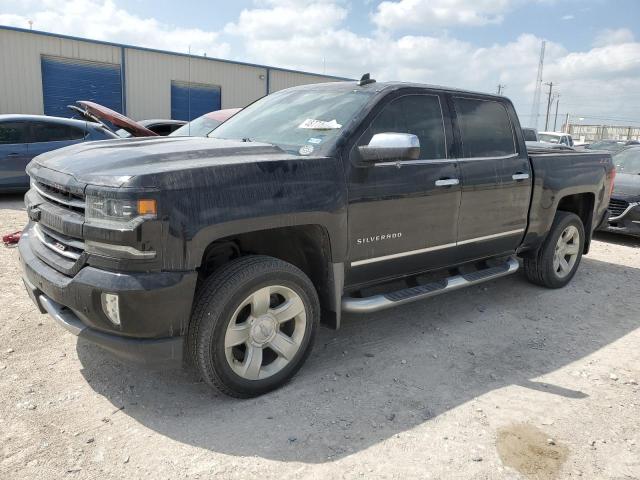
[(116, 162), (627, 187)]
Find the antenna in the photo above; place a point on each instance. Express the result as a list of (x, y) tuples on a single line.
[(365, 80), (535, 108)]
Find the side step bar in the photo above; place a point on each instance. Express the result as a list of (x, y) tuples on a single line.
[(392, 299)]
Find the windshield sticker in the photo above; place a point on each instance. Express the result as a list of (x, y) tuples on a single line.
[(305, 149), (312, 124), (314, 140)]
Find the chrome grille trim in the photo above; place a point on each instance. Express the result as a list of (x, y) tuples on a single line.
[(79, 204), (48, 238)]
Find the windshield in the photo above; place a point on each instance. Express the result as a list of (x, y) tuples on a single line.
[(300, 121), (544, 137), (628, 161), (200, 127)]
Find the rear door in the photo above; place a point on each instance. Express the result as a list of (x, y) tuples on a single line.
[(496, 177), (14, 154), (403, 214)]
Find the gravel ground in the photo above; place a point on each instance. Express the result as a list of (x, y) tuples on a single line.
[(500, 381)]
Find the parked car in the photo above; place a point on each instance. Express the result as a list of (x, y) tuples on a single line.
[(311, 201), (23, 137), (555, 137), (624, 206), (531, 146), (611, 145), (162, 127), (530, 134), (205, 124), (110, 119)]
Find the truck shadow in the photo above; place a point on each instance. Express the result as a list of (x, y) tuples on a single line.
[(387, 373), (618, 239)]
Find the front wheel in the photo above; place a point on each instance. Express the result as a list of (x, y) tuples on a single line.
[(253, 325), (555, 264)]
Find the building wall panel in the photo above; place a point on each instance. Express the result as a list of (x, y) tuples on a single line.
[(281, 79)]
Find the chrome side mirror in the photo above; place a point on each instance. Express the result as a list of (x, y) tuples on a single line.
[(390, 146)]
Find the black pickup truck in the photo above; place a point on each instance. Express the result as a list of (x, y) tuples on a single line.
[(228, 251)]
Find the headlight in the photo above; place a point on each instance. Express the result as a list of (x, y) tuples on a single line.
[(107, 210)]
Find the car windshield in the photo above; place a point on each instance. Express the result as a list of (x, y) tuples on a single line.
[(199, 127), (628, 161), (300, 121), (545, 137)]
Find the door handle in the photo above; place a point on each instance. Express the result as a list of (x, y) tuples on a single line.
[(520, 176), (447, 182)]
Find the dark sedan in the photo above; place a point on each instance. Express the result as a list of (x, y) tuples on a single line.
[(23, 137), (625, 201)]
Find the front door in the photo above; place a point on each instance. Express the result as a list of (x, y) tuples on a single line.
[(403, 214), (496, 179), (14, 154)]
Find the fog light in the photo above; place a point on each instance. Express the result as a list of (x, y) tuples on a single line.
[(110, 307)]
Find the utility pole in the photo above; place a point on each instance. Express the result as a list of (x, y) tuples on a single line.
[(555, 122), (566, 124), (546, 122), (501, 88)]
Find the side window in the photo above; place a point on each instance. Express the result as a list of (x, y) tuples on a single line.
[(13, 132), (54, 132), (485, 128), (420, 115)]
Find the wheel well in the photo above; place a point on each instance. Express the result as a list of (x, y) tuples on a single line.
[(305, 246), (582, 205)]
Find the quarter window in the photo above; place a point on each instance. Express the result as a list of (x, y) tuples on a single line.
[(485, 128), (419, 115), (13, 132)]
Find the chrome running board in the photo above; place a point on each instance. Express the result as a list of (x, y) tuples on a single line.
[(392, 299)]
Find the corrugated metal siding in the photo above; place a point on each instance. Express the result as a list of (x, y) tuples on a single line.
[(66, 80), (149, 77), (20, 72), (191, 100), (281, 79)]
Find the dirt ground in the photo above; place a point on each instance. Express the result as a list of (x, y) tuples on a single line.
[(501, 381)]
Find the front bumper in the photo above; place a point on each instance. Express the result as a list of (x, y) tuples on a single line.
[(154, 307), (628, 223)]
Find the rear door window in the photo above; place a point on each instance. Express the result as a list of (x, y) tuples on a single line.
[(13, 132), (54, 132), (485, 128)]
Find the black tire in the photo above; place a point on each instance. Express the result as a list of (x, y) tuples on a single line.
[(539, 268), (216, 302)]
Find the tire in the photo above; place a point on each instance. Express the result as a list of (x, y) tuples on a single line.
[(248, 301), (547, 270)]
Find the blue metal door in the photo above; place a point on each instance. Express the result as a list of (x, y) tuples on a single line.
[(66, 80), (189, 101)]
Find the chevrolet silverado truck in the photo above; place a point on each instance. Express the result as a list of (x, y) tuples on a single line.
[(226, 252)]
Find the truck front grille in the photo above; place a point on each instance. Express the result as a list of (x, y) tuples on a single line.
[(62, 245), (617, 207), (59, 196)]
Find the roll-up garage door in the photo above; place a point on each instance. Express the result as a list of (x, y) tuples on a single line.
[(65, 80), (189, 101)]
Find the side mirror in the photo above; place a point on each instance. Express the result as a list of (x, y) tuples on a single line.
[(390, 146)]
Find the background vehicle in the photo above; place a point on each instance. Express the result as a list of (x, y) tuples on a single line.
[(611, 145), (624, 206), (555, 137), (23, 137), (162, 127), (531, 146), (205, 124), (346, 196), (530, 134)]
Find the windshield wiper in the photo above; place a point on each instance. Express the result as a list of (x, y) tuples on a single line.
[(247, 139)]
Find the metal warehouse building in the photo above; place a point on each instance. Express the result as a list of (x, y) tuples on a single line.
[(42, 73)]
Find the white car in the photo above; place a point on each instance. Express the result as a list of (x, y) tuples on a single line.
[(557, 138)]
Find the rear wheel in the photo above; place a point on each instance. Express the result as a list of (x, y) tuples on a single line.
[(555, 264), (253, 325)]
